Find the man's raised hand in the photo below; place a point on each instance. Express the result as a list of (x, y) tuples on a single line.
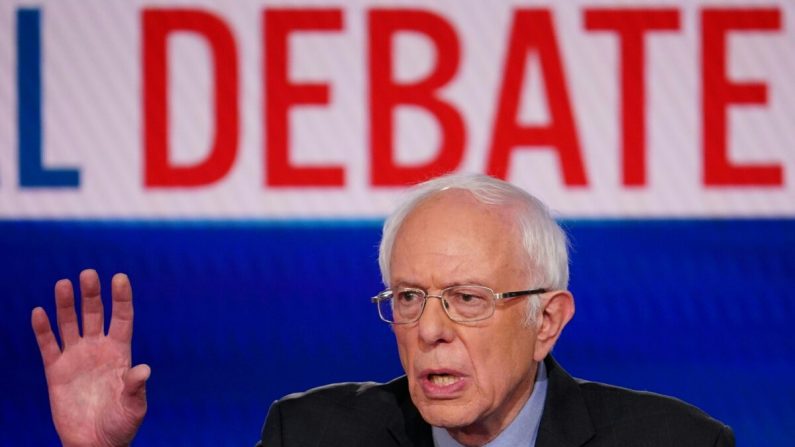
[(96, 398)]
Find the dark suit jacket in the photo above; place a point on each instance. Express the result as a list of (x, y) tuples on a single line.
[(576, 413)]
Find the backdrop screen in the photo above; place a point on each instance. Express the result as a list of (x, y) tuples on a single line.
[(237, 159)]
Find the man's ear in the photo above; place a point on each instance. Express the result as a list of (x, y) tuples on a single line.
[(556, 311)]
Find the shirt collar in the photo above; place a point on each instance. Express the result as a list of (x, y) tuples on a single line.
[(522, 431)]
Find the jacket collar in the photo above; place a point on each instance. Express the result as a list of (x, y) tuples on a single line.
[(406, 426), (565, 421)]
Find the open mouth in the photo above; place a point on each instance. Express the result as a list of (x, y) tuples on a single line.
[(443, 379)]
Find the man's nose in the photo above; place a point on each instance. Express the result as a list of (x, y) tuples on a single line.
[(434, 324)]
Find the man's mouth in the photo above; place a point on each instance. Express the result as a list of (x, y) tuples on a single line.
[(443, 379), (442, 383)]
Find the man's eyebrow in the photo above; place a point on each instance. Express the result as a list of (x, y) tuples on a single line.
[(409, 284), (413, 285), (468, 282)]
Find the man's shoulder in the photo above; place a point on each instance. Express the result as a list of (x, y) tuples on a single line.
[(344, 414), (615, 410), (579, 412), (618, 402), (351, 395)]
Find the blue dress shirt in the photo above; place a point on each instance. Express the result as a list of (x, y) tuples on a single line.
[(522, 431)]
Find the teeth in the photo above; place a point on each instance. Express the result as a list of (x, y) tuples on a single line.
[(442, 379)]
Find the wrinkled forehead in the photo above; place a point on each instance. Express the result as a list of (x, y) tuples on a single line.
[(453, 233), (461, 201), (461, 207)]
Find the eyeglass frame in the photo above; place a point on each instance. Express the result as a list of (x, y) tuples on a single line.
[(388, 294)]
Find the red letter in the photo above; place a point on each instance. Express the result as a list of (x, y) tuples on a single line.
[(386, 95), (532, 30), (157, 25), (631, 26), (718, 92), (281, 95)]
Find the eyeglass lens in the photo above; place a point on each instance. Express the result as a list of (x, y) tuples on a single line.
[(462, 303)]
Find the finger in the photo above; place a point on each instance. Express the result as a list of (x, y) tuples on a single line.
[(44, 337), (65, 313), (93, 313), (121, 320), (134, 393), (135, 378)]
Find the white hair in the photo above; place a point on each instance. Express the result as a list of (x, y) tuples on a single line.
[(544, 241)]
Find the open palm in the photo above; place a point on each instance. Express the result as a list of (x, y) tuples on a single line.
[(96, 398)]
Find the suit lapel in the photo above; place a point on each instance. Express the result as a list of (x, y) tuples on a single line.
[(418, 431), (405, 424), (565, 421)]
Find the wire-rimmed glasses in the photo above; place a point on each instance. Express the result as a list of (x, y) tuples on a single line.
[(463, 304)]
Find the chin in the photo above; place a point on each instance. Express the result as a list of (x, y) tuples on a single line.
[(446, 414)]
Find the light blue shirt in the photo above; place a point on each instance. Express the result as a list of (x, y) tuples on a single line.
[(522, 431)]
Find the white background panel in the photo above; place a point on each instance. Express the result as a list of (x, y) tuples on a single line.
[(93, 112)]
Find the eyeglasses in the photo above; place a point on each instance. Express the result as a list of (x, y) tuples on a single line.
[(463, 304)]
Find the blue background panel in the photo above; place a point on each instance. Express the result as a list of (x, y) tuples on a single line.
[(234, 315)]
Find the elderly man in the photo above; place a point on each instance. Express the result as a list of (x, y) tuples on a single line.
[(476, 271)]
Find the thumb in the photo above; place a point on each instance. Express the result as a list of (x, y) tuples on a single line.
[(135, 387), (135, 379)]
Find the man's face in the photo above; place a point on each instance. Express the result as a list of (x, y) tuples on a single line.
[(470, 376)]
